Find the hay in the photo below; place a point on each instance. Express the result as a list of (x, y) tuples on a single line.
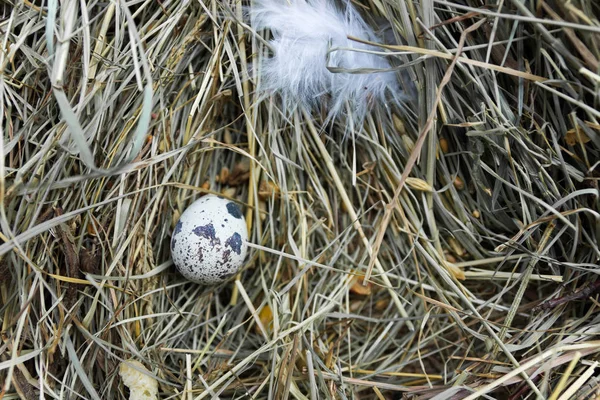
[(472, 210)]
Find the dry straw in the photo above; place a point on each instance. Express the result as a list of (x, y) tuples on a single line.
[(472, 211)]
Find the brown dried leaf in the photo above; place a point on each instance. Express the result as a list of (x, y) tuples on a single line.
[(382, 304), (239, 174), (266, 318), (459, 184), (267, 189), (89, 259), (223, 175), (573, 137), (444, 146), (358, 287)]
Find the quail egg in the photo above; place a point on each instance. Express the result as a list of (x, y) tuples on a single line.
[(209, 243)]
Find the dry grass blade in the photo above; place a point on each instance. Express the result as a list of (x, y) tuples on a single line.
[(470, 211)]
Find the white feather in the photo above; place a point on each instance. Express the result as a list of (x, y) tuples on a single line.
[(305, 36)]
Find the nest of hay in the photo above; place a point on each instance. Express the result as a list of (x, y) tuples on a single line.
[(446, 249)]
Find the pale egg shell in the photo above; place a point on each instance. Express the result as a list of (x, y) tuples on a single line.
[(209, 243)]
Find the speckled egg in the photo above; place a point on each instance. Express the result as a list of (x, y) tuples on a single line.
[(209, 243)]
